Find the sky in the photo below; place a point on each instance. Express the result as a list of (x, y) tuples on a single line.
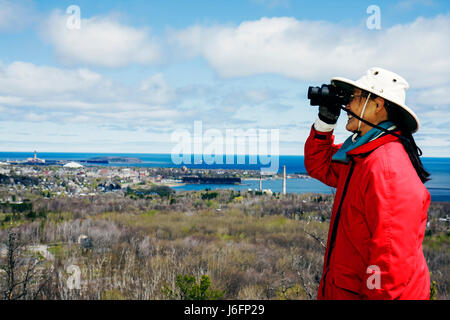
[(125, 76)]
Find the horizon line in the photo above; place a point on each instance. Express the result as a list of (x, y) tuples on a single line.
[(166, 153)]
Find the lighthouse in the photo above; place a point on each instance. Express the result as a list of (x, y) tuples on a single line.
[(284, 179)]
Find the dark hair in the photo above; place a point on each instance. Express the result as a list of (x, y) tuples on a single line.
[(409, 143)]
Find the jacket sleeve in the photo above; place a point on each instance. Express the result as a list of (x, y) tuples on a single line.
[(392, 212), (319, 149)]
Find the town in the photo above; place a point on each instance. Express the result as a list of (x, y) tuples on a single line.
[(25, 181)]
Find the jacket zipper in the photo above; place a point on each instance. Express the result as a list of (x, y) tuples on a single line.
[(336, 223)]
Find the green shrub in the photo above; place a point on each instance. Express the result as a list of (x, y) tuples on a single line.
[(188, 288), (209, 195), (433, 290), (31, 215)]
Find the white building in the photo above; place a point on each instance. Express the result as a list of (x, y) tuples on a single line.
[(73, 165)]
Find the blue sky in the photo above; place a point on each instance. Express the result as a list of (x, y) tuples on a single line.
[(136, 71)]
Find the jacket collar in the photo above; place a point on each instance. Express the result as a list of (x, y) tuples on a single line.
[(372, 145)]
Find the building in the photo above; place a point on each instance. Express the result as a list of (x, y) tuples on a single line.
[(73, 165), (35, 160)]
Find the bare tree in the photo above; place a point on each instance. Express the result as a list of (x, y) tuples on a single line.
[(22, 274)]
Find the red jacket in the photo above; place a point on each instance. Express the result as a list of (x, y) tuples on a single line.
[(374, 248)]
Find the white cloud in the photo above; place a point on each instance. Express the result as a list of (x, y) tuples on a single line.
[(316, 50), (28, 79), (34, 93), (286, 46), (101, 41)]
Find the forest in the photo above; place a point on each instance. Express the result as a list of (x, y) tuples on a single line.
[(219, 244)]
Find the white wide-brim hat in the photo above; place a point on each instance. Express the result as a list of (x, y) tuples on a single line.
[(387, 85)]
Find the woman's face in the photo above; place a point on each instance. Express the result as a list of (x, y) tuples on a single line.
[(374, 112)]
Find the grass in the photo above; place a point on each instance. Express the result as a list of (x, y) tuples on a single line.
[(438, 241)]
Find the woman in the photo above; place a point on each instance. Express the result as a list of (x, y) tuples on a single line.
[(374, 248)]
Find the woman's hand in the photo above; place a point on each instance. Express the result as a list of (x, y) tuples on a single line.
[(329, 113)]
